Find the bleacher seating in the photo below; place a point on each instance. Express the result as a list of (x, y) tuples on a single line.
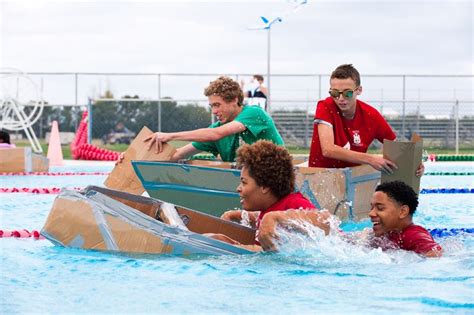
[(296, 127)]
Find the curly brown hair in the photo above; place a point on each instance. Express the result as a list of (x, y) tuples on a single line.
[(346, 71), (269, 165), (226, 88)]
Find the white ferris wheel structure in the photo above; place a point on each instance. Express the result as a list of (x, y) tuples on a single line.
[(21, 104)]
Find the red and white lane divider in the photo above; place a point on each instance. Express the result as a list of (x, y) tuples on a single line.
[(24, 233), (53, 173), (34, 190)]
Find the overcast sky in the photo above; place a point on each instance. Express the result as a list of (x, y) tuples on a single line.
[(378, 37)]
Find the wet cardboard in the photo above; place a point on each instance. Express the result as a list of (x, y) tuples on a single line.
[(123, 176), (22, 160), (329, 186), (408, 156), (73, 222)]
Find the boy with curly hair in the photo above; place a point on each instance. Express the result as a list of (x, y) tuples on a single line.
[(236, 124)]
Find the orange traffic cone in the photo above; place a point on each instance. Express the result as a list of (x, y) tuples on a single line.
[(55, 154)]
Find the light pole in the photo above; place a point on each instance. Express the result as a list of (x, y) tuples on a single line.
[(269, 32), (267, 25)]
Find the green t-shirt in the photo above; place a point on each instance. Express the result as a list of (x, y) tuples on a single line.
[(259, 125)]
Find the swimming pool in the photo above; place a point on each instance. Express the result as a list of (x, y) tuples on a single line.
[(313, 275)]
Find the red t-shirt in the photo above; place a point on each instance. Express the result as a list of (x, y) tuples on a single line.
[(352, 134), (413, 238), (291, 201)]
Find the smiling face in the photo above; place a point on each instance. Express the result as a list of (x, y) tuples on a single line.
[(387, 215), (252, 196), (346, 105), (224, 111)]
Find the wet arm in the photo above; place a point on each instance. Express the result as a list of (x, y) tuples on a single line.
[(331, 150), (208, 134)]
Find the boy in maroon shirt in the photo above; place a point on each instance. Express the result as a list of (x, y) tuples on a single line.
[(392, 207), (344, 127)]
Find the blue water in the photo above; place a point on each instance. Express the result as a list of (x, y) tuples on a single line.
[(310, 275)]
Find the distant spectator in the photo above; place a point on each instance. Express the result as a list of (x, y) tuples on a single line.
[(256, 94), (5, 140)]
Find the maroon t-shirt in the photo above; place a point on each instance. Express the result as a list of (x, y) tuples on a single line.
[(414, 238), (291, 201), (352, 134)]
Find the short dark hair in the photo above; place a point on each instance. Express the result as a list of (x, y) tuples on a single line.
[(259, 77), (269, 165), (401, 193), (226, 88), (5, 137), (346, 71)]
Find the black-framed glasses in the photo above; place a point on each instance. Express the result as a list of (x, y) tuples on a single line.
[(347, 94)]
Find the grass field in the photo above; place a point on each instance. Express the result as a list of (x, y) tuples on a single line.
[(294, 150)]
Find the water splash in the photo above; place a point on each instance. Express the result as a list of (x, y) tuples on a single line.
[(245, 218), (309, 243)]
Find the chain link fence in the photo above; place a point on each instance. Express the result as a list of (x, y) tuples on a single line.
[(438, 107)]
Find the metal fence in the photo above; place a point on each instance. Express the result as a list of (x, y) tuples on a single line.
[(170, 102)]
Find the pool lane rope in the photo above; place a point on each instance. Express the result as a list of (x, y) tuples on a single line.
[(35, 190), (108, 173), (34, 234), (23, 233), (450, 158), (447, 191), (52, 173), (449, 174), (81, 150), (57, 190), (444, 232)]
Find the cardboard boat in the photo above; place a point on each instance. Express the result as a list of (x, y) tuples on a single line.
[(210, 186), (16, 160), (108, 220)]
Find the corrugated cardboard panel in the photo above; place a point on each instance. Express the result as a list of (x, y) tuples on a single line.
[(72, 223), (13, 160), (202, 223), (40, 163), (327, 186), (131, 239), (123, 176), (407, 155)]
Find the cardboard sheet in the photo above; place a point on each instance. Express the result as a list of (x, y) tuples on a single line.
[(99, 220), (123, 176), (408, 156), (22, 159)]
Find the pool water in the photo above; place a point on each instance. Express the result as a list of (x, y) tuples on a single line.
[(312, 274)]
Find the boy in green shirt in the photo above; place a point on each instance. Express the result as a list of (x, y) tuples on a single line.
[(236, 124)]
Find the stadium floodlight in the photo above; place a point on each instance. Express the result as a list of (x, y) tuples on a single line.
[(267, 25)]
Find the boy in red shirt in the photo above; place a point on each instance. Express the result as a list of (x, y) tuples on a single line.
[(344, 127), (392, 207)]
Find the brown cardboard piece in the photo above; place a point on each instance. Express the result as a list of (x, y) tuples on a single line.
[(123, 176), (407, 155), (22, 159), (79, 219), (331, 187)]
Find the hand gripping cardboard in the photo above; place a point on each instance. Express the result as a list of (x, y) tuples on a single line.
[(123, 177)]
